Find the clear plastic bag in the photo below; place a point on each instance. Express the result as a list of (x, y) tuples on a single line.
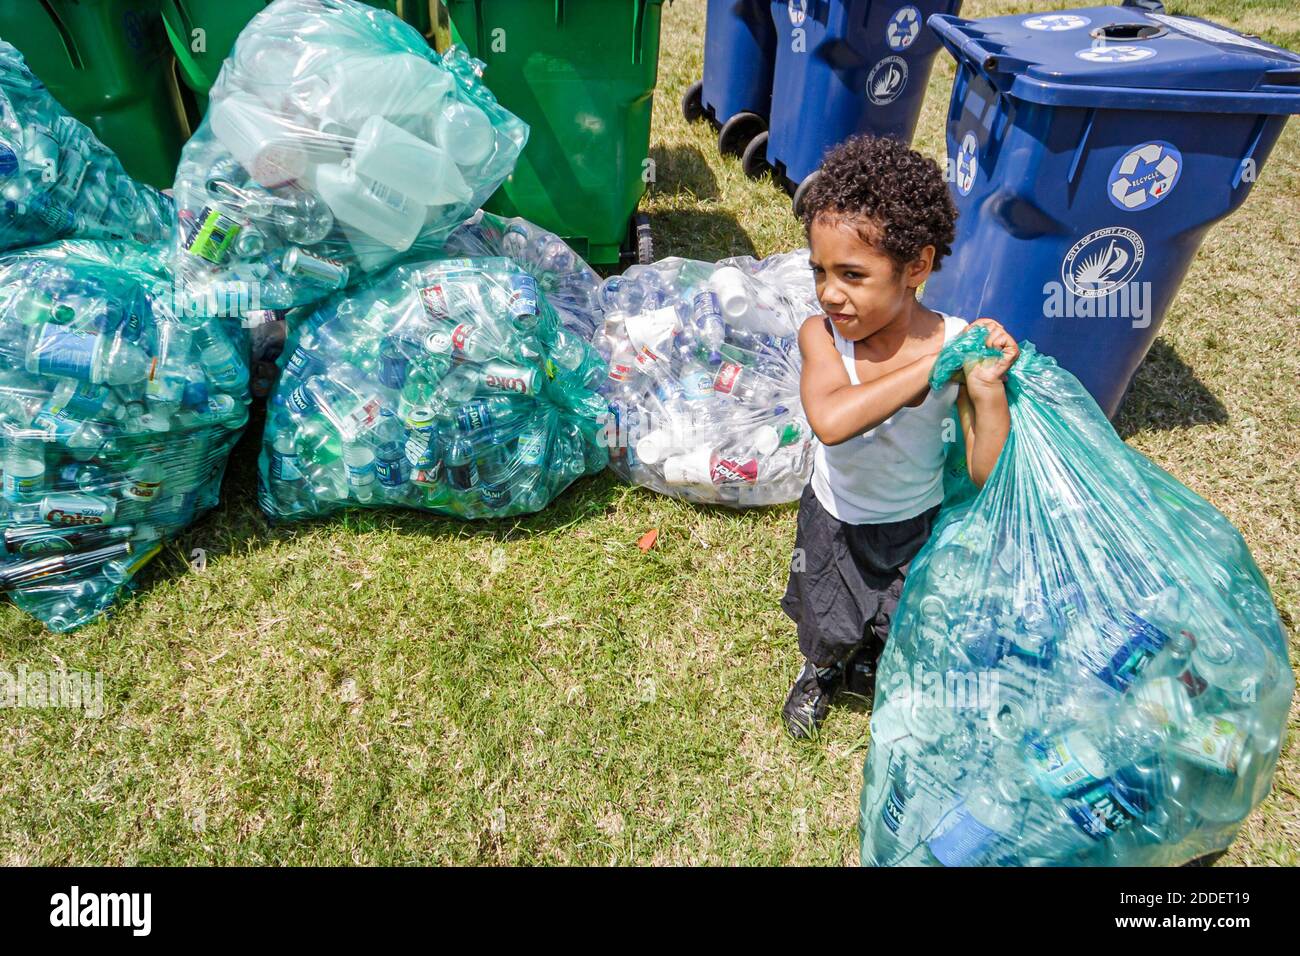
[(335, 142), (448, 386), (57, 180), (1086, 666), (703, 385), (570, 285), (116, 419)]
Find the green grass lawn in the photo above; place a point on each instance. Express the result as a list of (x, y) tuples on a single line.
[(390, 688)]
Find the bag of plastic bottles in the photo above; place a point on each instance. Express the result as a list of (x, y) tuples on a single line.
[(448, 386), (57, 180), (116, 419), (335, 142), (570, 285), (703, 386), (1086, 666)]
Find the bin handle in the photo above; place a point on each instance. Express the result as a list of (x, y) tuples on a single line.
[(1248, 159), (65, 36), (1077, 160), (1283, 78), (961, 43)]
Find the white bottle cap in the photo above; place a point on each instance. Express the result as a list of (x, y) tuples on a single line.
[(652, 447), (728, 284), (766, 439)]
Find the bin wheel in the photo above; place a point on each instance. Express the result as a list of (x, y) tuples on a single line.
[(693, 102), (737, 132), (802, 190), (754, 160), (645, 243)]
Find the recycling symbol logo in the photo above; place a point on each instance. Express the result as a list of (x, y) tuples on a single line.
[(967, 164), (904, 27), (1123, 53), (1056, 22), (1145, 175), (887, 80)]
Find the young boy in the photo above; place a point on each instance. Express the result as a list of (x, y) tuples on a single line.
[(879, 220)]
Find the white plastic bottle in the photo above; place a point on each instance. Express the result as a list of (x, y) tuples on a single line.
[(266, 143), (396, 86), (464, 131), (372, 208), (390, 155), (359, 460)]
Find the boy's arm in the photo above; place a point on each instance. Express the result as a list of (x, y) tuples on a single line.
[(838, 410), (982, 405)]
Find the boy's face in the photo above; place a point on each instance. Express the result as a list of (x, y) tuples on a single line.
[(859, 286)]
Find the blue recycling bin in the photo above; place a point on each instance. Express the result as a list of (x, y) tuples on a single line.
[(739, 54), (845, 67), (1089, 151)]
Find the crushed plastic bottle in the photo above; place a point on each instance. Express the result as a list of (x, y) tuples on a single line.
[(1086, 667), (57, 180), (570, 285), (116, 419), (336, 141), (703, 386), (448, 386)]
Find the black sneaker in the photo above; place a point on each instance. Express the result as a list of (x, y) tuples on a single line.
[(809, 699), (860, 674)]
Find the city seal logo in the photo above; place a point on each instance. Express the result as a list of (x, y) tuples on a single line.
[(887, 80), (1102, 262)]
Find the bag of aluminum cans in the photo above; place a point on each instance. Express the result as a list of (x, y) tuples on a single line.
[(335, 142), (56, 179), (569, 284), (703, 386), (449, 386), (116, 418), (1086, 666)]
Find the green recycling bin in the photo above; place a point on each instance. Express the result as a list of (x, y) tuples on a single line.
[(582, 74), (107, 63), (202, 32)]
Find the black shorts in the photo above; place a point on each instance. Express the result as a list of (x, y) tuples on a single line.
[(845, 579)]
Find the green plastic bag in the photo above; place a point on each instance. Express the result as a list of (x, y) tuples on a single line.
[(336, 143), (1086, 666), (448, 386), (56, 179), (116, 419)]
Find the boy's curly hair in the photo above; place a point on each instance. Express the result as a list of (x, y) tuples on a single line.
[(900, 194)]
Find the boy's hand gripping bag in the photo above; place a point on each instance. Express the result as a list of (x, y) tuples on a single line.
[(116, 419), (703, 386), (1086, 667), (449, 386), (336, 142), (57, 180)]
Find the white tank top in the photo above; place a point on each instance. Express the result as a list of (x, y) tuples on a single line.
[(894, 471)]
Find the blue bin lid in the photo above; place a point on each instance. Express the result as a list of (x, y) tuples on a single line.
[(1125, 58)]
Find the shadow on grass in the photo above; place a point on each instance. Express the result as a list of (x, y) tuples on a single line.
[(1166, 394), (708, 235), (682, 171)]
